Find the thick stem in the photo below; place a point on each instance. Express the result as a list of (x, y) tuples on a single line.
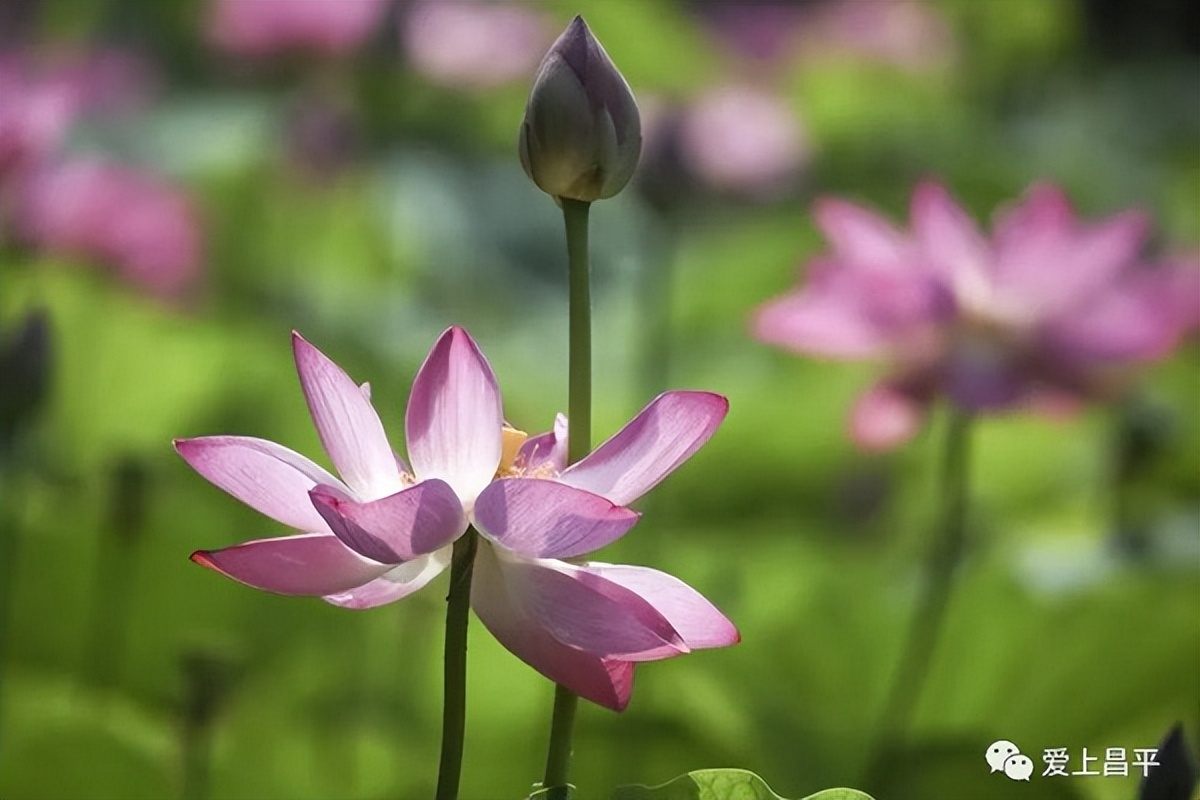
[(454, 707), (937, 580), (579, 442)]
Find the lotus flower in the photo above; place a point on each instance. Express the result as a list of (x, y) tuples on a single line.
[(472, 44), (1045, 310), (132, 221), (385, 528), (258, 28)]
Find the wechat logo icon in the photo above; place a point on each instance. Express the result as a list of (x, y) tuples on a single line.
[(1004, 756)]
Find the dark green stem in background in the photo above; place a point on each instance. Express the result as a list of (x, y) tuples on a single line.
[(934, 594), (454, 703), (579, 443)]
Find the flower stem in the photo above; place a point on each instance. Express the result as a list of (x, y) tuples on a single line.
[(579, 443), (937, 579), (454, 704)]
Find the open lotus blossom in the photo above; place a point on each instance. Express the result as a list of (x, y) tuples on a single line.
[(1048, 309), (386, 527)]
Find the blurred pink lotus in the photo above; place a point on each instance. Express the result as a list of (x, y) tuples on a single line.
[(472, 44), (41, 97), (258, 28), (1048, 309), (142, 227), (743, 139)]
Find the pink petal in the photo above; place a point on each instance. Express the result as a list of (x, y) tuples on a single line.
[(400, 527), (1130, 321), (310, 564), (884, 418), (545, 451), (828, 317), (548, 519), (454, 417), (395, 584), (1049, 261), (606, 682), (583, 610), (697, 621), (861, 237), (660, 438), (348, 426), (948, 236), (268, 477)]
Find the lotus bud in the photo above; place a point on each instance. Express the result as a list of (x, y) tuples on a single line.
[(581, 135)]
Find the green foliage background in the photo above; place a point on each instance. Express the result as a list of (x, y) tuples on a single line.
[(1054, 638)]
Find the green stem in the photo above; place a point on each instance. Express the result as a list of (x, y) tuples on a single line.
[(938, 577), (454, 707), (579, 365), (579, 443)]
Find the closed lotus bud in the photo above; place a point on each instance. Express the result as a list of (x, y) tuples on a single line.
[(581, 136)]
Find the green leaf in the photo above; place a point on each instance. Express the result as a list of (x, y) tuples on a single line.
[(722, 784)]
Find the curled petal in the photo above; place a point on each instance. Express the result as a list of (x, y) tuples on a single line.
[(400, 527), (545, 451), (349, 428), (583, 610), (606, 682), (659, 439), (698, 621), (268, 477), (395, 584), (548, 519), (454, 418), (310, 564)]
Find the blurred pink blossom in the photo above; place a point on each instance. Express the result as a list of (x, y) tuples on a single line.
[(473, 44), (258, 28), (1046, 311), (42, 95), (743, 139), (142, 227), (901, 33)]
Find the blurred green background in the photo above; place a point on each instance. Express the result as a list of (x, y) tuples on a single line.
[(128, 672)]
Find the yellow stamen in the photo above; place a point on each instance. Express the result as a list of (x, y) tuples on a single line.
[(511, 440)]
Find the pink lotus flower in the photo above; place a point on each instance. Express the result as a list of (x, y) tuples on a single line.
[(144, 228), (472, 44), (1047, 309), (743, 139), (385, 529), (258, 28)]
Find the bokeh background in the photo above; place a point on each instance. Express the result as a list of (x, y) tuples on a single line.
[(183, 183)]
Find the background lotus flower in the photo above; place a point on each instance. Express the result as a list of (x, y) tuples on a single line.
[(132, 221), (471, 44), (269, 27), (384, 530), (1047, 306)]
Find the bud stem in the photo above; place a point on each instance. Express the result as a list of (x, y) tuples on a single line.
[(579, 443)]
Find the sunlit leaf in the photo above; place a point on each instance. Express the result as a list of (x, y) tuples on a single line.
[(722, 784)]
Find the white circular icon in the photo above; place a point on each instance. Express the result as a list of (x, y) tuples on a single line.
[(999, 752), (1018, 767)]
